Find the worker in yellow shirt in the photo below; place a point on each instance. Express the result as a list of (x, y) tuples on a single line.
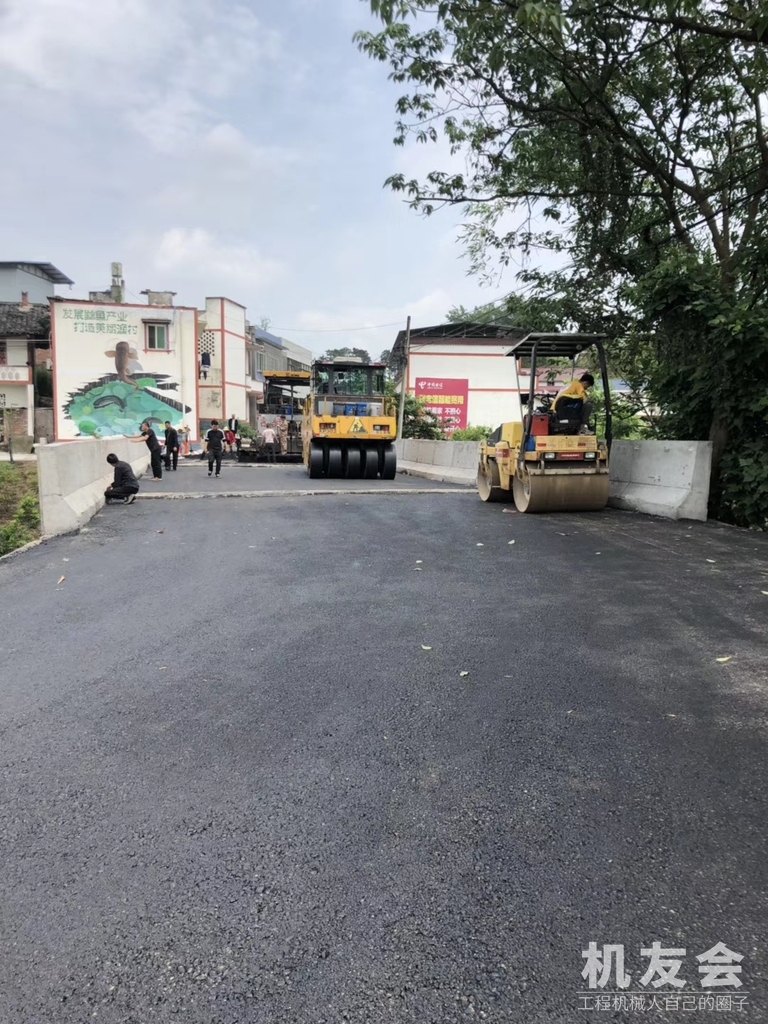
[(576, 391)]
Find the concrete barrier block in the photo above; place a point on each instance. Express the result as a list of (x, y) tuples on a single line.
[(663, 478), (465, 454), (443, 453), (72, 478), (409, 450), (426, 452)]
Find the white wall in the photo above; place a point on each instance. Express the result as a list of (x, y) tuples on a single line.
[(14, 281), (235, 403), (494, 389), (86, 336), (298, 352), (16, 387)]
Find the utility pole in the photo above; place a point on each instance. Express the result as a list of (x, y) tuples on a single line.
[(404, 380)]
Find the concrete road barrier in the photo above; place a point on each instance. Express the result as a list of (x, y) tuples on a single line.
[(452, 462), (662, 478), (73, 476)]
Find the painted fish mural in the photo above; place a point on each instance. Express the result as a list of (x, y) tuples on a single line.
[(118, 403), (110, 406)]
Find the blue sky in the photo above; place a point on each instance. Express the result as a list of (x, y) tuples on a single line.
[(217, 148)]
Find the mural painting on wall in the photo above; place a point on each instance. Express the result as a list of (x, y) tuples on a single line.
[(119, 402)]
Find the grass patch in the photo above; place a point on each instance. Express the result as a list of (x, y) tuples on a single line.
[(19, 506)]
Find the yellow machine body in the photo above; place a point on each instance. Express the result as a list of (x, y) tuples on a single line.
[(565, 472), (575, 480), (349, 434)]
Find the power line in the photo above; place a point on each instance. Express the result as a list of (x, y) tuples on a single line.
[(333, 330)]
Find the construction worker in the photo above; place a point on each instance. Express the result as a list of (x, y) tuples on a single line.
[(576, 391), (281, 425)]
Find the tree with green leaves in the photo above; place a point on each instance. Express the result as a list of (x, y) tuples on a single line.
[(631, 141), (343, 353)]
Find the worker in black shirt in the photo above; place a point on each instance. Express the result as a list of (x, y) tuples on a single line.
[(171, 446), (148, 436), (214, 446), (125, 485)]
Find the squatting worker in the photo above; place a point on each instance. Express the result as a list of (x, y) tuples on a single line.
[(269, 443), (125, 486), (149, 437), (577, 392), (214, 446), (171, 446)]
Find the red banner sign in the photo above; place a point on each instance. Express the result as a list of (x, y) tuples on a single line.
[(447, 399)]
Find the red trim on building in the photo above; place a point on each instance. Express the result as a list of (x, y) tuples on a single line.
[(196, 436), (464, 355), (223, 360), (54, 364), (131, 305)]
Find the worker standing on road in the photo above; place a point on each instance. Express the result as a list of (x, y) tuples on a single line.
[(125, 486), (214, 446), (150, 438), (576, 391), (282, 433), (269, 443), (171, 446)]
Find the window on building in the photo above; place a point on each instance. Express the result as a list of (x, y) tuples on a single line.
[(157, 337), (3, 353)]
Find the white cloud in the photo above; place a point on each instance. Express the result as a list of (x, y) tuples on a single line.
[(227, 142), (197, 254), (162, 67), (337, 328)]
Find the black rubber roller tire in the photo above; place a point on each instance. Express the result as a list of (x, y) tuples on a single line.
[(389, 463), (316, 468), (371, 466), (335, 461), (354, 461)]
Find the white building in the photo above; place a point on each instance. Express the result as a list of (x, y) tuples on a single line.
[(36, 281), (116, 364), (464, 374), (24, 332)]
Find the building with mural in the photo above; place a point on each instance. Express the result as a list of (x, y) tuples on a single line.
[(116, 364)]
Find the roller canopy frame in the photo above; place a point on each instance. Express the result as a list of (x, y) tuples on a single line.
[(561, 346)]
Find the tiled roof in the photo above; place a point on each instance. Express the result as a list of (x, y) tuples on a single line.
[(34, 322)]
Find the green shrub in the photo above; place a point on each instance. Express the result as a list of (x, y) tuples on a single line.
[(28, 515), (472, 434), (13, 536)]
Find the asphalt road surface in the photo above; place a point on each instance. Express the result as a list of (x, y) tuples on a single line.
[(330, 759), (251, 478)]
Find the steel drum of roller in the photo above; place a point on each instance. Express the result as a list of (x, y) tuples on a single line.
[(554, 491)]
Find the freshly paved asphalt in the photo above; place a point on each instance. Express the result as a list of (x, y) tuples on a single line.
[(235, 787), (192, 477)]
